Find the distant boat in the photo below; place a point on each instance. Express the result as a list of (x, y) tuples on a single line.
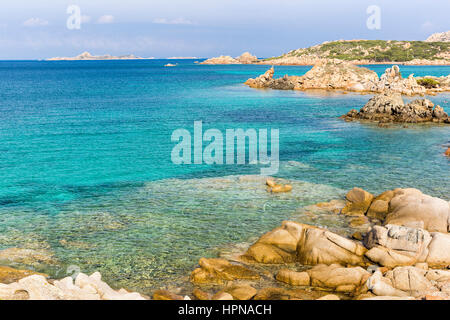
[(170, 65)]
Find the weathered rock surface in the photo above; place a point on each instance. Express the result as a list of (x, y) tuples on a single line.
[(390, 107), (393, 246), (293, 278), (36, 287), (166, 295), (439, 37), (308, 245), (277, 188), (332, 74), (358, 202), (219, 271), (221, 60), (338, 278), (263, 80), (380, 206), (241, 291), (410, 207), (410, 281), (392, 80), (395, 260)]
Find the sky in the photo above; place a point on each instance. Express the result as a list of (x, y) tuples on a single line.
[(37, 29)]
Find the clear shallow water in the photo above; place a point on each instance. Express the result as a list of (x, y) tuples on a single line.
[(86, 170)]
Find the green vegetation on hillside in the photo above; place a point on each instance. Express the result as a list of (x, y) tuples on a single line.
[(376, 50), (428, 83)]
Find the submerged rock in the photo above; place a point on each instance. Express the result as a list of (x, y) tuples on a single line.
[(277, 188), (31, 257), (219, 271)]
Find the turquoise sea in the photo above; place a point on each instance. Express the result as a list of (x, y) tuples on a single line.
[(86, 172)]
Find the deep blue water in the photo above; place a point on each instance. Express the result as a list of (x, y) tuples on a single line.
[(85, 159)]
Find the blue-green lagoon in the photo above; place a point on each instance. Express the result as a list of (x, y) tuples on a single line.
[(87, 177)]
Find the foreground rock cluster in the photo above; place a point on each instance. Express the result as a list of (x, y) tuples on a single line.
[(389, 107), (401, 250), (404, 254), (38, 287), (339, 75)]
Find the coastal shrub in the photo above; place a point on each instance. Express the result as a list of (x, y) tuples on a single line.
[(428, 83)]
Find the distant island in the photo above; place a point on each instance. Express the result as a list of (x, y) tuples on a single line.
[(87, 56), (181, 58), (433, 51)]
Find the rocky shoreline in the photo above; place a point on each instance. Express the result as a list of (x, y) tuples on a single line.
[(402, 253), (399, 250), (313, 60), (389, 107), (338, 75)]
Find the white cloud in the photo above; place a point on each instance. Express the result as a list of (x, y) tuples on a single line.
[(173, 21), (35, 22), (106, 19)]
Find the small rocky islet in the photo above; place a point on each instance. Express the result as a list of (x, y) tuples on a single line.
[(400, 250), (389, 107)]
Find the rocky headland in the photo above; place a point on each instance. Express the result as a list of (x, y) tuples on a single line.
[(389, 107), (339, 75), (399, 249), (434, 51)]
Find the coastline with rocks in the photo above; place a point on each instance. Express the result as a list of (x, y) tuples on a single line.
[(433, 51), (399, 251), (342, 76), (389, 107)]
